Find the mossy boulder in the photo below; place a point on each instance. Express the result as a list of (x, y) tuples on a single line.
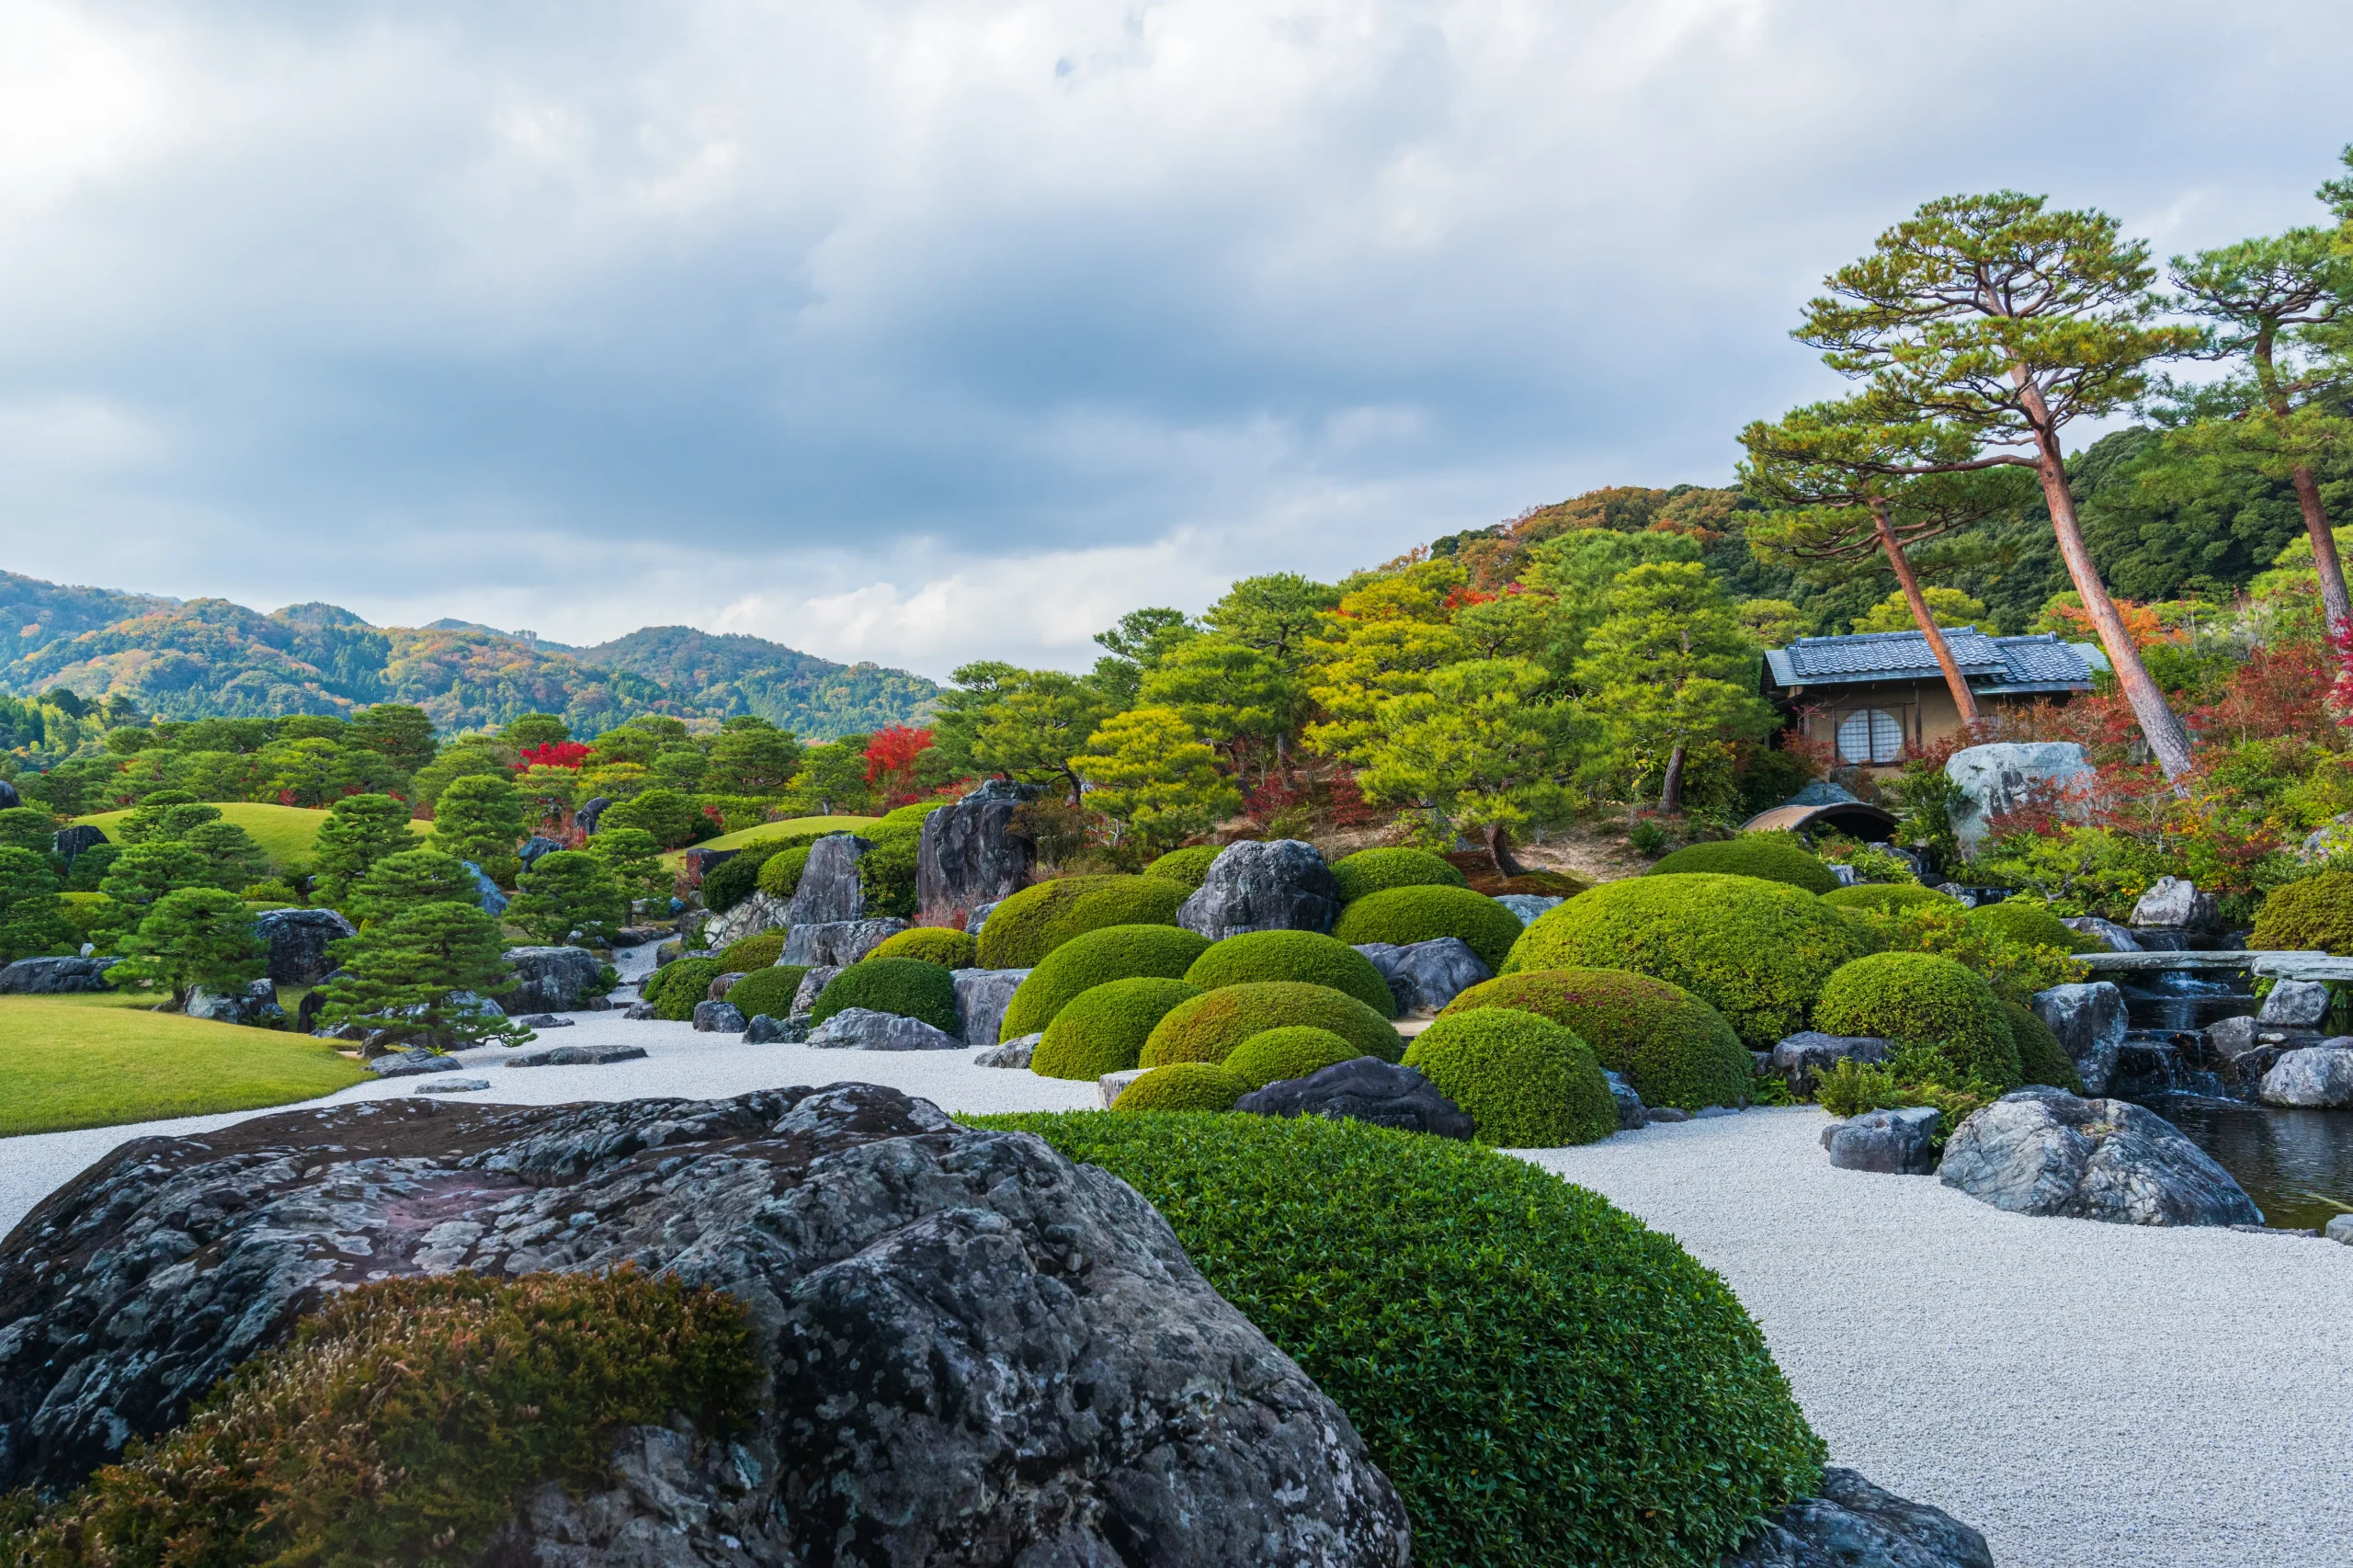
[(1022, 930), (2314, 914), (1183, 1085), (1293, 955), (1098, 958), (1771, 857), (1376, 870), (1419, 913), (932, 944), (1526, 1082), (1208, 1028), (1190, 866), (768, 990), (908, 987), (1923, 999), (1672, 1047), (1293, 1051), (1103, 1029)]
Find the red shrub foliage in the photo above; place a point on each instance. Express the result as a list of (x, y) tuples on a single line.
[(890, 762), (556, 753)]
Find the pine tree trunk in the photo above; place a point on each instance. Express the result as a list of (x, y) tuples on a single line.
[(1962, 698), (2333, 598), (1500, 852), (1670, 794)]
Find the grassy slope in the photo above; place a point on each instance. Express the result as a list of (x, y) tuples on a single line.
[(99, 1061), (775, 830), (284, 833)]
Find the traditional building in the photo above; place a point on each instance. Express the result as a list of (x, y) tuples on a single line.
[(1873, 694)]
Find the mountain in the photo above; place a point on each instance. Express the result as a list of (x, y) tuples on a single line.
[(187, 660)]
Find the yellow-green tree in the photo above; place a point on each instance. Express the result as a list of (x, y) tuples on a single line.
[(1662, 671), (1483, 749), (1229, 693), (1382, 641), (1149, 774), (1950, 607)]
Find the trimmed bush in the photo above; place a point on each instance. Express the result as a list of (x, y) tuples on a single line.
[(1208, 1028), (768, 990), (2031, 924), (909, 988), (755, 951), (2042, 1059), (1377, 870), (1770, 857), (932, 943), (1098, 958), (1295, 955), (676, 988), (780, 871), (1527, 1082), (1884, 896), (2313, 913), (1757, 951), (1024, 928), (1420, 913), (1103, 1029), (1183, 1085), (1190, 867), (1673, 1048), (1290, 1052), (731, 881), (1924, 1000)]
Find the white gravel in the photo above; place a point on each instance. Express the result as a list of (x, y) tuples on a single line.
[(2084, 1393)]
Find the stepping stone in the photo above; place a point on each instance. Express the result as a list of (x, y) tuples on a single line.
[(451, 1087), (575, 1056), (411, 1060)]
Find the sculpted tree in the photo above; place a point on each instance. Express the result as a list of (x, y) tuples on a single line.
[(568, 895), (419, 972), (196, 936), (1661, 672), (1147, 771), (1483, 747)]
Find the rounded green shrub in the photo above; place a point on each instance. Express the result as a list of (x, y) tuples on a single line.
[(1183, 1085), (1293, 955), (1024, 928), (1377, 870), (942, 944), (730, 881), (1098, 958), (755, 951), (909, 816), (1883, 896), (1103, 1029), (2031, 924), (909, 988), (1289, 1052), (1757, 951), (1673, 1048), (1589, 1394), (1208, 1028), (1923, 999), (1423, 913), (2313, 913), (1770, 857), (676, 988), (2042, 1059), (768, 990), (780, 871), (1526, 1082), (1190, 867)]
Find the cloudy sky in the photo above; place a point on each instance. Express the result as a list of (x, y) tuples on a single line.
[(913, 331)]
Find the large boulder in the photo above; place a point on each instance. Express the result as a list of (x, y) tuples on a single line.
[(2088, 1020), (1367, 1089), (9, 799), (836, 943), (1852, 1524), (970, 855), (2172, 902), (829, 890), (1891, 1143), (719, 1017), (585, 817), (2009, 774), (1795, 1058), (486, 892), (2296, 1005), (1281, 885), (297, 942), (982, 997), (1425, 976), (2318, 1075), (52, 977), (2042, 1150), (974, 1351), (68, 843), (256, 1007), (553, 979), (536, 848), (863, 1028), (753, 914), (2118, 939)]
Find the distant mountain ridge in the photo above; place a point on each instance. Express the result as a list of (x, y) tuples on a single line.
[(187, 659)]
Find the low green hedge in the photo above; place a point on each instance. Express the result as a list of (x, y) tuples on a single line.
[(1673, 1048), (1183, 1085), (1526, 1082), (1884, 896), (1922, 999), (1546, 1381), (780, 873), (1208, 1028), (1771, 857), (1103, 1029), (2042, 1059), (2031, 924), (909, 988), (768, 990), (1023, 929), (932, 944), (1420, 913), (1377, 870), (1293, 955), (1757, 951), (753, 952), (1098, 958), (676, 988), (2313, 913), (730, 881), (1190, 867), (1293, 1051)]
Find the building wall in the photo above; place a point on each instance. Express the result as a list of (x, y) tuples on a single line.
[(1925, 708)]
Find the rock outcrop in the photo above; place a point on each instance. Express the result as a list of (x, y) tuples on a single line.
[(1795, 1058), (2088, 1020), (52, 977), (486, 892), (1425, 976), (2318, 1076), (836, 943), (68, 843), (2042, 1150), (2009, 774), (2175, 903), (753, 914), (1281, 885), (970, 855), (1367, 1089), (553, 979), (1853, 1524), (256, 1007), (1891, 1143), (982, 997), (980, 1353), (297, 942), (2118, 939), (863, 1028), (829, 890)]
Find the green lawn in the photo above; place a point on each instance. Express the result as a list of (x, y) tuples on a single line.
[(284, 833), (99, 1061), (775, 830)]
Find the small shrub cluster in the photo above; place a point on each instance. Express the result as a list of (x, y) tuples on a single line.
[(1294, 1051), (1770, 857), (1293, 955), (1885, 896), (769, 991), (757, 952), (676, 988), (932, 944), (1103, 1028), (2031, 924), (1421, 913), (1673, 1048), (2315, 912), (2014, 970), (1377, 870), (1208, 1028), (1183, 1085), (1023, 929), (1095, 958), (909, 988), (1921, 999), (732, 881), (1526, 1082), (1190, 867), (780, 873)]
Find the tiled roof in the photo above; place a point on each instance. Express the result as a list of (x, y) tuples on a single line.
[(1990, 664)]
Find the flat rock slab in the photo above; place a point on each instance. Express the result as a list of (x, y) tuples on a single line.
[(450, 1087), (863, 1028), (546, 1021), (575, 1056), (409, 1064)]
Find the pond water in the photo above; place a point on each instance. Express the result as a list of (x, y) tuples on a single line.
[(2296, 1164)]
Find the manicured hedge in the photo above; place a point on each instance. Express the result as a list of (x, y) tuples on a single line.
[(2042, 1059), (1419, 914), (1527, 1082), (1098, 958), (1293, 1051), (1757, 951), (1306, 956), (780, 873), (1376, 870), (769, 991), (1773, 857), (1673, 1048), (1546, 1381), (909, 988), (1923, 999), (1103, 1029), (932, 944), (2031, 923), (1208, 1028), (755, 951), (1190, 867), (1183, 1085), (2315, 912), (1884, 896), (1024, 928), (730, 881), (676, 988)]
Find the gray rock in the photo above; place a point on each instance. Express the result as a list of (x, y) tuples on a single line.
[(410, 1062), (2330, 840), (69, 842), (1631, 1112), (2320, 1077), (1708, 1112), (1892, 1143), (585, 817), (254, 1007), (1822, 793), (1012, 1054), (1282, 885), (638, 1010), (979, 918), (863, 1028), (51, 977), (536, 848), (1853, 1524), (547, 1021), (759, 912), (1109, 1084), (1667, 1115), (970, 855), (2042, 1150), (1795, 1057), (2007, 774), (451, 1086), (578, 1056), (313, 1004), (1367, 1089), (973, 1350), (700, 862), (982, 997), (2341, 1230), (829, 891), (486, 892), (2175, 903), (2088, 1020), (2118, 939), (813, 987), (1847, 877), (553, 979), (1425, 976), (836, 942), (297, 942), (1527, 906), (9, 799), (719, 1017), (762, 1029), (721, 985), (2295, 1005)]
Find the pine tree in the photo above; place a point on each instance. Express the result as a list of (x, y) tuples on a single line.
[(479, 818), (361, 831), (403, 881), (1147, 772), (568, 895), (32, 921), (635, 861), (416, 974), (1485, 747), (1661, 671), (196, 936)]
